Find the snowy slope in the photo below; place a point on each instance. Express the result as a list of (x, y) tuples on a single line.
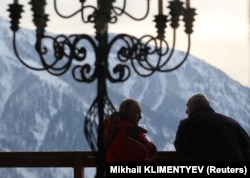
[(40, 112)]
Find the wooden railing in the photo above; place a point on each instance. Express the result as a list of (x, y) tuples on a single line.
[(76, 160)]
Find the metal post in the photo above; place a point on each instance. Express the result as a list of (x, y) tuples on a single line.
[(101, 24)]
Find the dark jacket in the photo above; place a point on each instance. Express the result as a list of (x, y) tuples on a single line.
[(129, 143), (209, 136)]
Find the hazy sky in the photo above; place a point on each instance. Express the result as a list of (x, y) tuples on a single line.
[(220, 37)]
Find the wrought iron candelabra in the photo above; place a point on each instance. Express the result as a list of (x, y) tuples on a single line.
[(145, 55)]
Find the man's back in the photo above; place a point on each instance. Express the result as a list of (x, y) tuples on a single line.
[(130, 144), (210, 136)]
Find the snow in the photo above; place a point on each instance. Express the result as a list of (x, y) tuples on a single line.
[(50, 79), (26, 173), (142, 93), (40, 129), (163, 86), (6, 89), (59, 128), (52, 109)]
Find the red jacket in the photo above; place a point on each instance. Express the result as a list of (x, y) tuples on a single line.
[(129, 143)]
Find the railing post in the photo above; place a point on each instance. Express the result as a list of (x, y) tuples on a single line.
[(78, 172), (78, 167)]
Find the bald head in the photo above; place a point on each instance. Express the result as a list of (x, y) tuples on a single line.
[(126, 104), (130, 110), (195, 101)]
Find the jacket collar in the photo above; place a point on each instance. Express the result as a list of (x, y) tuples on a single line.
[(202, 109), (127, 124)]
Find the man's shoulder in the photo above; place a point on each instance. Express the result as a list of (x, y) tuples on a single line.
[(184, 121), (225, 118)]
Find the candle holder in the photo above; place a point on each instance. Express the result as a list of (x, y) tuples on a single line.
[(144, 56)]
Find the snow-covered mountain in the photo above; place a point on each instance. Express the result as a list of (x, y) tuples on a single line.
[(41, 112)]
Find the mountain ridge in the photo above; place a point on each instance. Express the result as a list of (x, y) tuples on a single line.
[(41, 112)]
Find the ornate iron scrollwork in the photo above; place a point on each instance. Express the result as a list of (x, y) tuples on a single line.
[(145, 55)]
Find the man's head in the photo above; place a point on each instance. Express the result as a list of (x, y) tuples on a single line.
[(195, 101), (130, 110)]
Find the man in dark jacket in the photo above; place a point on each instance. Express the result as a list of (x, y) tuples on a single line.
[(130, 142), (209, 136)]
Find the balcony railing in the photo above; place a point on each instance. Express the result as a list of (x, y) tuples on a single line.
[(76, 160)]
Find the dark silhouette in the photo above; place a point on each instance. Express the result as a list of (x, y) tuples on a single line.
[(209, 136), (130, 142)]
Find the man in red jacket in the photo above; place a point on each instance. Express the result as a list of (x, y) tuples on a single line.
[(130, 142)]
